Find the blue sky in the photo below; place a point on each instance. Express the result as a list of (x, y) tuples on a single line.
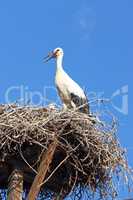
[(97, 38)]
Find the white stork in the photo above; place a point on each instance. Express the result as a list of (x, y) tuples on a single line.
[(69, 91)]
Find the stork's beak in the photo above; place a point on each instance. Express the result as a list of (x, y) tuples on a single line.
[(49, 57)]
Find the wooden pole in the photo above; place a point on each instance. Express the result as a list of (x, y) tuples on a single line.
[(15, 186), (42, 170)]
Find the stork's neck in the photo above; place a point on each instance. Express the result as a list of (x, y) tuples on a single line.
[(59, 62)]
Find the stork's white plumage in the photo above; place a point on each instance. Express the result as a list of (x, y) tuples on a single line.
[(71, 94)]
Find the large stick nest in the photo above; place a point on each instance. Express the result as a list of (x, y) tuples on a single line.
[(88, 153)]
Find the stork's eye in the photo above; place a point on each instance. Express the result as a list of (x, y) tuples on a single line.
[(57, 50)]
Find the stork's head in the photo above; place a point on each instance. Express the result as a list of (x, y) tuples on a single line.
[(56, 53)]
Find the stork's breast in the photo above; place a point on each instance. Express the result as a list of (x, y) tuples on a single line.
[(62, 87)]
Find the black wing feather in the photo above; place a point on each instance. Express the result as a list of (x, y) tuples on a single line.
[(78, 101)]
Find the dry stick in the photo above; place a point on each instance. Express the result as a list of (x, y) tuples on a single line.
[(27, 162), (61, 163), (42, 170), (15, 186)]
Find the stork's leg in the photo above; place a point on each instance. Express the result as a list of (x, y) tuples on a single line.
[(64, 107), (73, 105)]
